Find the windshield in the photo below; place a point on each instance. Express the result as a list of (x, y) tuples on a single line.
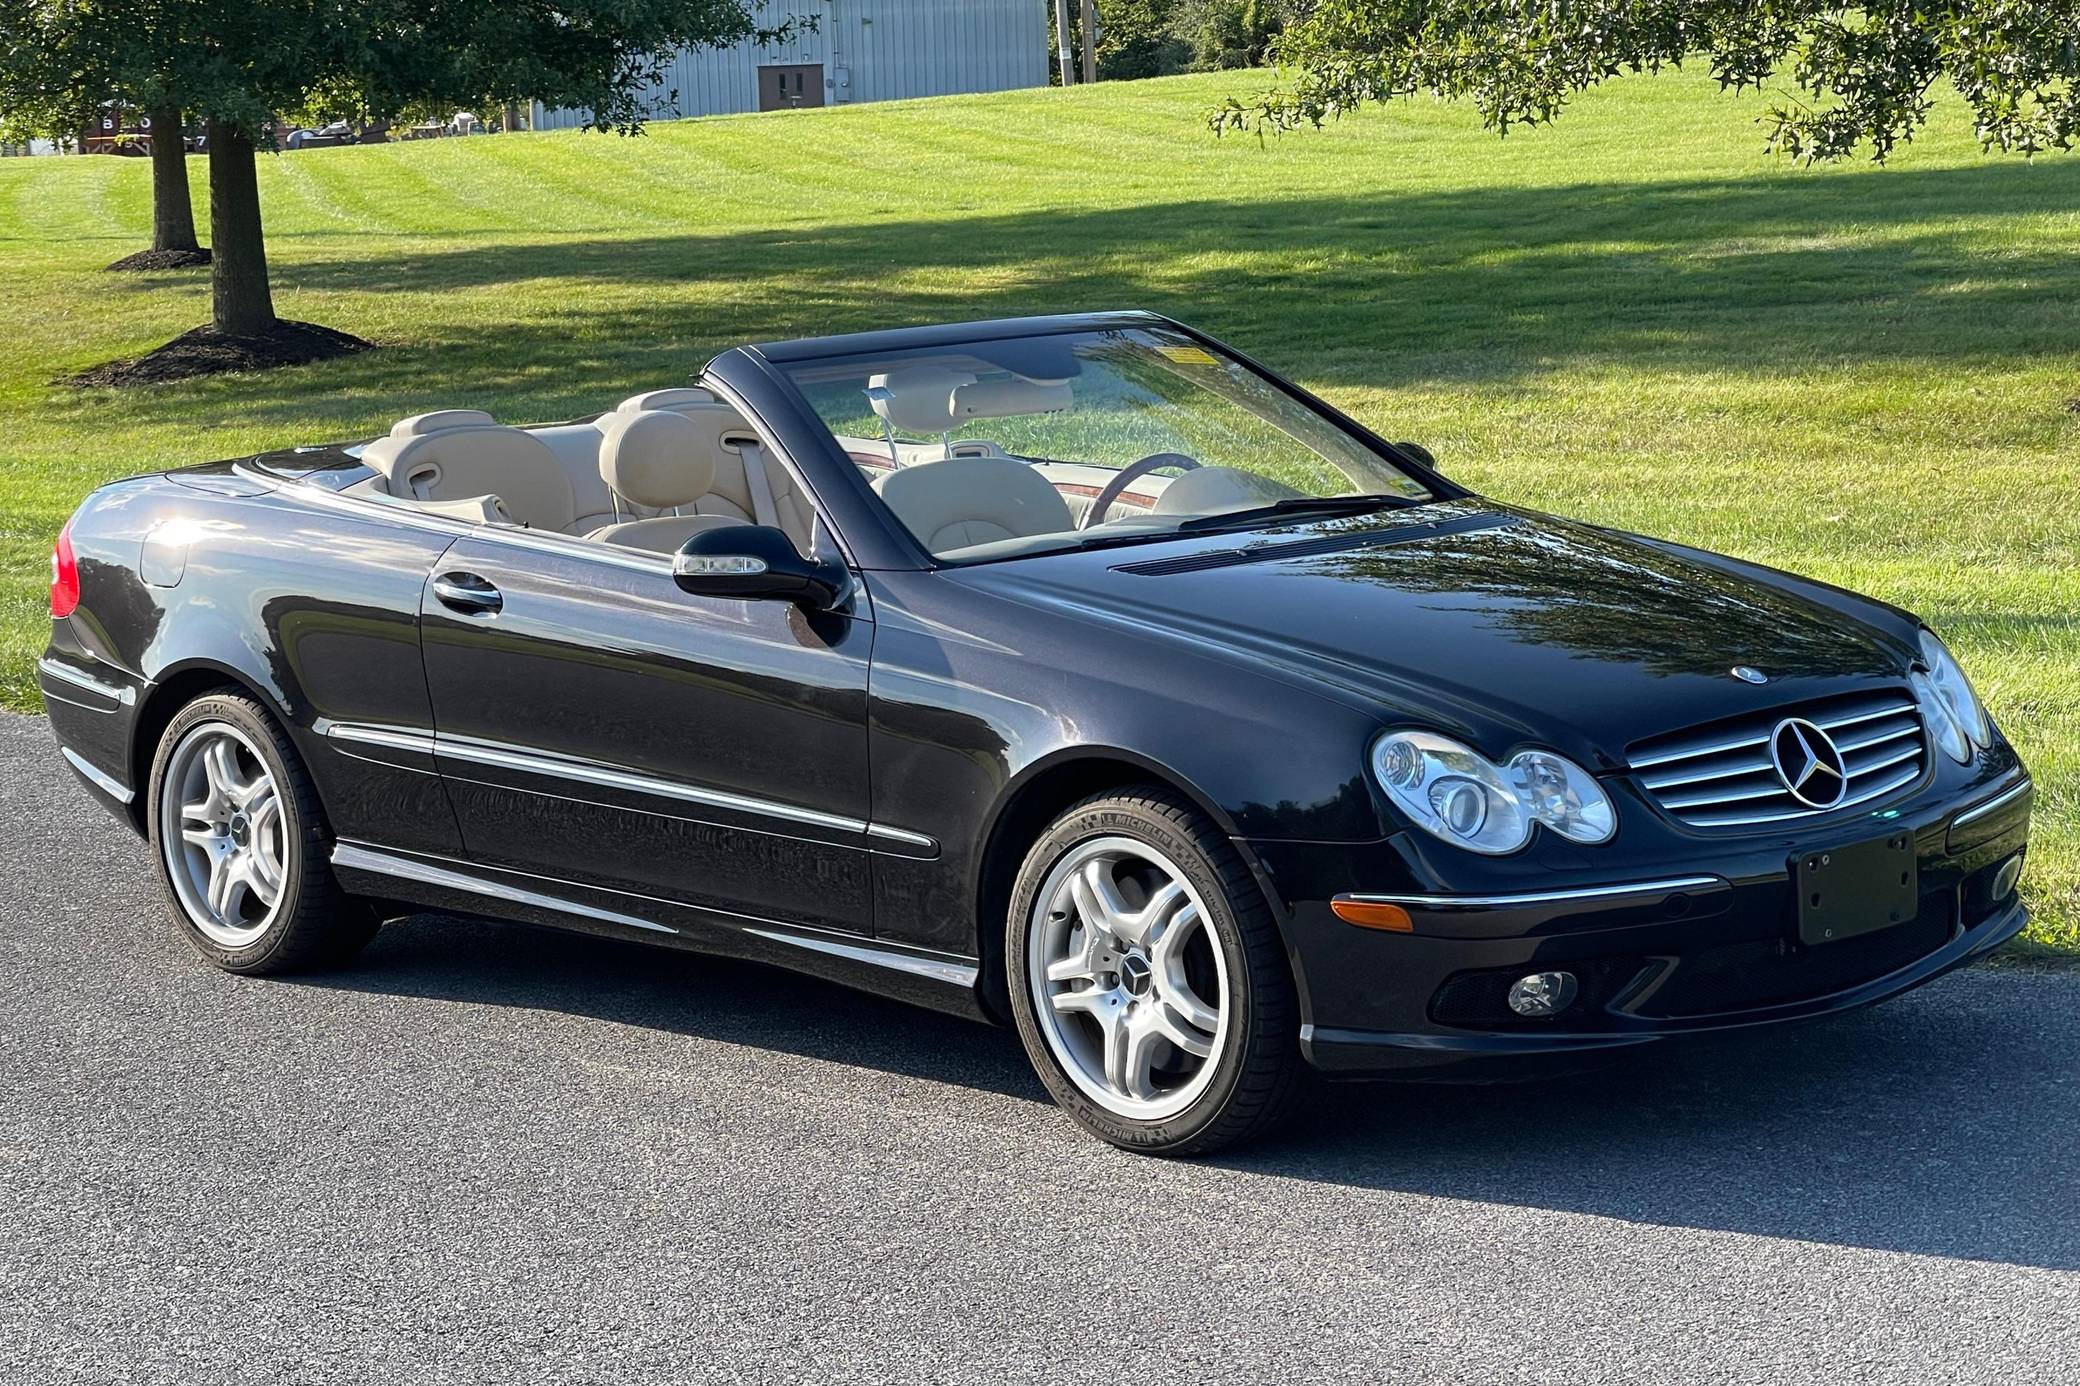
[(999, 449)]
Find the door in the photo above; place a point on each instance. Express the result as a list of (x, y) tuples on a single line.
[(791, 84), (596, 724)]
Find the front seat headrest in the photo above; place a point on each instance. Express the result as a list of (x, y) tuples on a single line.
[(676, 397), (438, 420), (655, 458)]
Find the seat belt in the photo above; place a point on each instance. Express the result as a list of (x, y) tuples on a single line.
[(763, 510)]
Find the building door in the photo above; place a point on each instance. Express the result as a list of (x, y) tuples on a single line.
[(792, 84)]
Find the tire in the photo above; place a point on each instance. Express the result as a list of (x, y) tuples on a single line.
[(233, 818), (1185, 955)]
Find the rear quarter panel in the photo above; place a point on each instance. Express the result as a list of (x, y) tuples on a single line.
[(215, 577)]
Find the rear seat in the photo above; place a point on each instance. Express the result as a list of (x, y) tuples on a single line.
[(459, 459), (463, 462)]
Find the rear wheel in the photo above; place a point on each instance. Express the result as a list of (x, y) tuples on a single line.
[(240, 843), (1149, 983)]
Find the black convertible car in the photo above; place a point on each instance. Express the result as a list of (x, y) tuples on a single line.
[(1071, 672)]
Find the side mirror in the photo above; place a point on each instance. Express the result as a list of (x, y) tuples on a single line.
[(1420, 454), (757, 562)]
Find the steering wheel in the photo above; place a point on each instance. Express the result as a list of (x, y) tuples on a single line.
[(1130, 473)]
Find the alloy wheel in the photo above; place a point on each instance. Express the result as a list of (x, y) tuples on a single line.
[(223, 834), (1130, 982)]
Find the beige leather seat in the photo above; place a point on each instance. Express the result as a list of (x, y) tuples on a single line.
[(964, 501), (576, 445), (462, 455), (1214, 490), (662, 460), (730, 492)]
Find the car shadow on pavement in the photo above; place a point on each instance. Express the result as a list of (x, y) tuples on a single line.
[(442, 957), (1944, 1124)]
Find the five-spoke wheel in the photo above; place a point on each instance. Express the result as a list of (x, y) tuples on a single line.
[(1133, 981), (241, 844), (221, 829), (1147, 978)]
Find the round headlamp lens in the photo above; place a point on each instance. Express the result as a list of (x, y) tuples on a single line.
[(1450, 791), (1563, 796), (1955, 692), (1453, 792), (1462, 804)]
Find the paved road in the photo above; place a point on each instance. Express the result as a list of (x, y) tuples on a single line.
[(493, 1154)]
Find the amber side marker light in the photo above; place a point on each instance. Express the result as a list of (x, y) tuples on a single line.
[(1369, 914)]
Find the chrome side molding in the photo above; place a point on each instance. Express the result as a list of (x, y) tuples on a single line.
[(80, 678), (1993, 805), (583, 772), (934, 969), (395, 738), (352, 857), (104, 782), (1543, 897), (904, 836)]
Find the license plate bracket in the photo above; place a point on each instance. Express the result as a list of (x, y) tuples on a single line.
[(1857, 889)]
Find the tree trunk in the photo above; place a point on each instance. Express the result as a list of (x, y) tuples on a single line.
[(512, 120), (173, 211), (240, 302)]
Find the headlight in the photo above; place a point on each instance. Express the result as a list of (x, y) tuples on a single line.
[(1955, 716), (1455, 793)]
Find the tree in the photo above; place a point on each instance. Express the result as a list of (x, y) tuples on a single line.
[(1236, 33), (1856, 74), (59, 64), (237, 64), (379, 56), (1139, 38), (173, 212)]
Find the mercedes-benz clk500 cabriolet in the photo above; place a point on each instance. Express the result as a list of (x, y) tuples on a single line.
[(1074, 673)]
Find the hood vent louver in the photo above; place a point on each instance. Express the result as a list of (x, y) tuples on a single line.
[(1265, 551)]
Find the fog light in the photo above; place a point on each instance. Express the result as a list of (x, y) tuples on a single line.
[(1542, 994), (2004, 879)]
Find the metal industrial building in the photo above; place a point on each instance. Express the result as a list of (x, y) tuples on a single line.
[(862, 50)]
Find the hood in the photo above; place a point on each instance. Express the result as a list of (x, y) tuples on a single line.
[(1498, 625)]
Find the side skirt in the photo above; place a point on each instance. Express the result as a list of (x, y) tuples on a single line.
[(939, 981)]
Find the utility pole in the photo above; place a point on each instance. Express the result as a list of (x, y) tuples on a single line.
[(1090, 40), (1062, 50)]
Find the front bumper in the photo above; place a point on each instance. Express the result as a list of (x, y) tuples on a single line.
[(1707, 944)]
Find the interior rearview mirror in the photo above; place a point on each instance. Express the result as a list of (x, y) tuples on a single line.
[(756, 562)]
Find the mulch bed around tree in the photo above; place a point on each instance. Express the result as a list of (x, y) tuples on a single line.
[(163, 260), (206, 351)]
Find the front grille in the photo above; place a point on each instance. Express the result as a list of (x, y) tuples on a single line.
[(1722, 776)]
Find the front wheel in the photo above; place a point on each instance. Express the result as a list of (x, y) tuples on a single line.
[(241, 847), (1149, 983)]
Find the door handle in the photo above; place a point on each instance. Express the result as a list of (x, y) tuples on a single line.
[(467, 593)]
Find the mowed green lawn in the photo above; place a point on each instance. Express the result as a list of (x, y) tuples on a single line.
[(1871, 375)]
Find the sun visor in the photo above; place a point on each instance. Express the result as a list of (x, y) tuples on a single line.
[(917, 399), (1005, 399)]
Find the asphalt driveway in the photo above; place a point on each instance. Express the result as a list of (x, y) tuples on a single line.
[(493, 1154)]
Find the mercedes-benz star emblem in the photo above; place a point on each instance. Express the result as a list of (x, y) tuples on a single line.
[(1809, 763), (1748, 673)]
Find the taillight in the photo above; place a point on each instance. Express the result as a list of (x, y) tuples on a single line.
[(64, 575)]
